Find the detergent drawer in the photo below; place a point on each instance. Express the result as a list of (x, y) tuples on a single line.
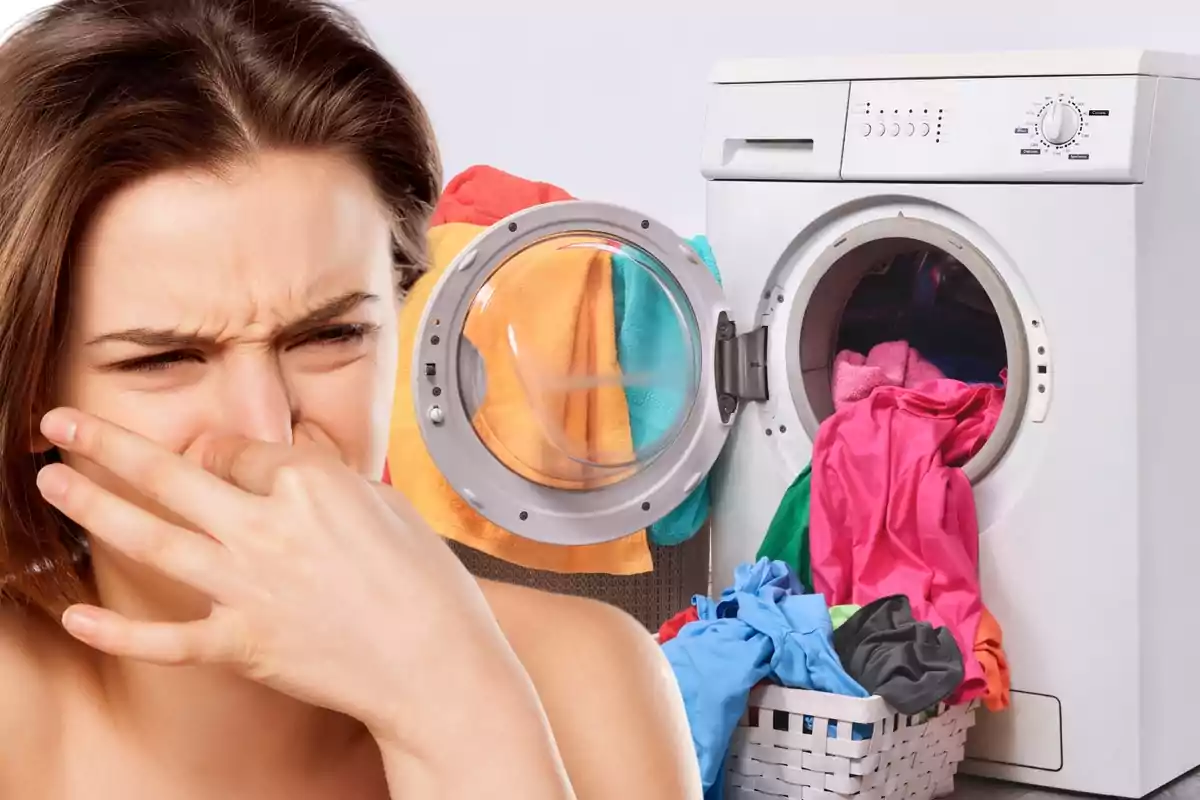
[(775, 131)]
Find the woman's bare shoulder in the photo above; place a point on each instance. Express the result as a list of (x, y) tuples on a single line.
[(551, 627), (608, 691), (29, 655), (27, 644)]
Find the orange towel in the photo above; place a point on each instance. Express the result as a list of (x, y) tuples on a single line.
[(572, 333), (989, 650)]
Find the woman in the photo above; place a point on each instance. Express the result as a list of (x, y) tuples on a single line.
[(209, 212)]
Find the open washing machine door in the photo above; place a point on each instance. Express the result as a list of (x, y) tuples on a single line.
[(577, 372)]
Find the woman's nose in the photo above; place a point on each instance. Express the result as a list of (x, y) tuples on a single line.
[(258, 404)]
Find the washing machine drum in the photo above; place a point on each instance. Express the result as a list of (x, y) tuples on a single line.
[(904, 279), (560, 372)]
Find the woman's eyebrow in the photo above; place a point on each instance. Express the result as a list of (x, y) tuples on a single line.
[(328, 312), (164, 338)]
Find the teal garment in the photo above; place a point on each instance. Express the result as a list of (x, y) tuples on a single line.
[(650, 342)]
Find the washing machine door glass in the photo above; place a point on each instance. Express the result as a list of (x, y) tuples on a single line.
[(560, 372)]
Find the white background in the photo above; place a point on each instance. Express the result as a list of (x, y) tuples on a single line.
[(610, 104)]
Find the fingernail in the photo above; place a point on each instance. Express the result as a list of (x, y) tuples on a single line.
[(52, 481), (59, 426), (80, 621)]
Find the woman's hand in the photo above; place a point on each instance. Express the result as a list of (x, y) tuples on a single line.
[(324, 586)]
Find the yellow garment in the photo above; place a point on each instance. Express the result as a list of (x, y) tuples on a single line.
[(569, 324)]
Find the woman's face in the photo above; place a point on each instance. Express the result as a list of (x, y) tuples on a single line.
[(240, 303)]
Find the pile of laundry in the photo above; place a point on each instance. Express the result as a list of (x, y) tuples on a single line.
[(866, 582)]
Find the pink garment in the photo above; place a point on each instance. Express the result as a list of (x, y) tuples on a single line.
[(892, 512), (855, 376)]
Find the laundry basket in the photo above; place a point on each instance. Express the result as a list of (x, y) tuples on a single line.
[(815, 746)]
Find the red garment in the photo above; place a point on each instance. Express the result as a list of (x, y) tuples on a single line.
[(670, 629), (485, 195), (892, 513)]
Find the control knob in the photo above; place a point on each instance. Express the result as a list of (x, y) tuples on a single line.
[(1059, 123)]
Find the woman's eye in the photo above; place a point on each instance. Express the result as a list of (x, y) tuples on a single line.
[(337, 334), (332, 335), (159, 361)]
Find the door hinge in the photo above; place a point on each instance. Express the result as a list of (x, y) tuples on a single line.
[(741, 366)]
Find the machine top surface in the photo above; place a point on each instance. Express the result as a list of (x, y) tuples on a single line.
[(1048, 63)]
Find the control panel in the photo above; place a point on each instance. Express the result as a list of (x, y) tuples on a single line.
[(1075, 129)]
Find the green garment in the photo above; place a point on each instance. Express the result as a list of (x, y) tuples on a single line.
[(787, 537), (839, 614)]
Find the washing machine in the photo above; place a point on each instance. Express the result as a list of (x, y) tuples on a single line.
[(1064, 187)]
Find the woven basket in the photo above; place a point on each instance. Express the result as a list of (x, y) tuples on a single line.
[(816, 746)]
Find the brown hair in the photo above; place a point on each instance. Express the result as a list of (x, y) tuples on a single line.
[(97, 93)]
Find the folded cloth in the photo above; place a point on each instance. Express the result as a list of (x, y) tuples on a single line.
[(651, 341), (575, 322), (759, 629), (888, 364), (910, 664)]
